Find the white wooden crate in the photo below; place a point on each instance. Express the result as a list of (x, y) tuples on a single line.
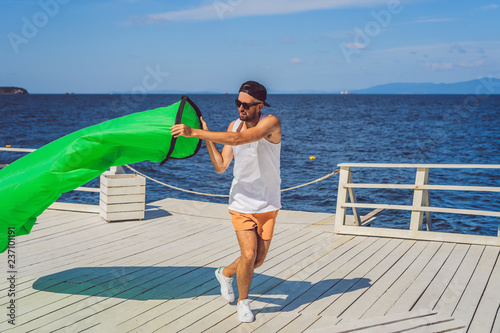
[(122, 197)]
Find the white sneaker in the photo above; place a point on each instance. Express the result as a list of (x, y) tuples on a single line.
[(245, 314), (226, 285)]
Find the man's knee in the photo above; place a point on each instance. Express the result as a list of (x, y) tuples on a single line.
[(258, 262), (249, 255)]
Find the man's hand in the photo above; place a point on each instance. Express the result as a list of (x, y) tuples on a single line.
[(204, 125), (181, 130), (184, 130)]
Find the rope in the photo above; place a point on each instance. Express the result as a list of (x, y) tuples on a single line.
[(176, 188), (314, 181), (225, 195)]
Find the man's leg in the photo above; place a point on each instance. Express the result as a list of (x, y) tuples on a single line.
[(262, 249), (253, 252)]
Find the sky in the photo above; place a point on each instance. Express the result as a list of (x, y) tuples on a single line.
[(151, 46)]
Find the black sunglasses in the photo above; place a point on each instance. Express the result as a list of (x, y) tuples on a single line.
[(246, 106)]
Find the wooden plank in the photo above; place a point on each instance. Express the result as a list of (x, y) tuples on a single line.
[(420, 235), (314, 276), (112, 254), (301, 266), (60, 304), (425, 209), (270, 283), (144, 317), (352, 196), (188, 313), (453, 289), (496, 324), (426, 323), (155, 247), (274, 322), (378, 324), (388, 277), (350, 274), (300, 324), (80, 277), (393, 293), (324, 324), (224, 319), (441, 281), (22, 150), (74, 207), (441, 325), (123, 207), (88, 189), (122, 216), (368, 217), (403, 165), (121, 180), (475, 289), (97, 231), (342, 194), (215, 284), (349, 299), (484, 318), (425, 187), (417, 217), (114, 199), (125, 190), (328, 271), (406, 300)]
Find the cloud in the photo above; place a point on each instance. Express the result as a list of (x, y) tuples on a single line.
[(471, 64), (426, 19), (452, 65), (285, 41), (222, 9), (438, 66), (296, 61), (457, 48), (358, 46), (489, 7)]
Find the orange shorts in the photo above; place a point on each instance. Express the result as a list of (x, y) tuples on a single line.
[(263, 222)]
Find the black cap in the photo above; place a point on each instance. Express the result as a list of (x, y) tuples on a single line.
[(256, 90)]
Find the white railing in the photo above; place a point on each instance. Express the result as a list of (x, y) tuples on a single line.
[(420, 206)]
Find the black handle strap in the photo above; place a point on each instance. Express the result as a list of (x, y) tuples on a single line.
[(178, 118)]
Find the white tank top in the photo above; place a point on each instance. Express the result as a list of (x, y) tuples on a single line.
[(257, 182)]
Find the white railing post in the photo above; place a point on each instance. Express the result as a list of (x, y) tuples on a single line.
[(352, 197), (341, 211), (427, 202), (419, 200)]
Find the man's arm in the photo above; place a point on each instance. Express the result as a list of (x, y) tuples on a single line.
[(222, 160), (269, 128)]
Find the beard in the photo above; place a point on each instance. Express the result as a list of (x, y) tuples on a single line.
[(247, 117)]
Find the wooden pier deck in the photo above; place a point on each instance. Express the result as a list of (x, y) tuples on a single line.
[(77, 273)]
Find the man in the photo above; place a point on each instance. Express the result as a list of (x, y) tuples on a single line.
[(254, 140)]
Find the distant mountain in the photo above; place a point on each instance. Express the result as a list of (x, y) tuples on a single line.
[(480, 86), (12, 90)]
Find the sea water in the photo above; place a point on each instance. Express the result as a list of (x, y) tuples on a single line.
[(451, 129)]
